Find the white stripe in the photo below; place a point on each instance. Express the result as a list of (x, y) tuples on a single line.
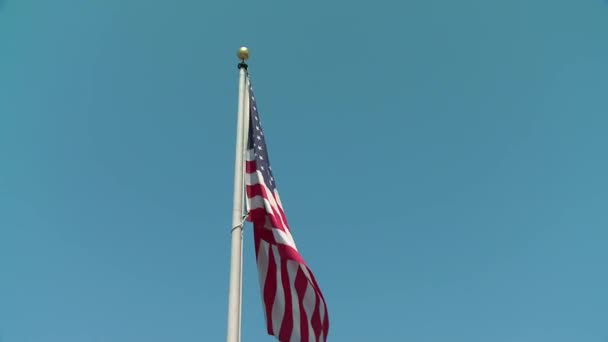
[(251, 178), (249, 155), (309, 302), (292, 270), (263, 266), (278, 199), (280, 236), (258, 202), (278, 307), (315, 298), (284, 238), (255, 178), (271, 203), (321, 313)]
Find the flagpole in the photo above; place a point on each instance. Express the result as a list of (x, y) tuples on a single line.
[(236, 248)]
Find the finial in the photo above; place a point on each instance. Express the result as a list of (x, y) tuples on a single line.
[(243, 53)]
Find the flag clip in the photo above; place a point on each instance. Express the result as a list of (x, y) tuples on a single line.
[(240, 225)]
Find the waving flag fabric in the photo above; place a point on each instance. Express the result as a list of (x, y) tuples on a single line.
[(294, 306)]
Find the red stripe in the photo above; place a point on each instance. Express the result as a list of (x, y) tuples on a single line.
[(250, 166), (314, 282), (262, 232), (288, 253), (257, 215), (285, 252), (287, 324), (259, 190), (315, 320), (270, 289), (281, 212), (300, 284), (325, 322), (253, 190), (319, 326), (257, 241), (261, 215)]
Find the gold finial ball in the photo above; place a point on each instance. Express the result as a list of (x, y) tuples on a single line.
[(243, 53)]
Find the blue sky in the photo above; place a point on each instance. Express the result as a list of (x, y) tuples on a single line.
[(442, 165)]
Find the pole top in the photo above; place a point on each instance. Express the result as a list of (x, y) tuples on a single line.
[(243, 53)]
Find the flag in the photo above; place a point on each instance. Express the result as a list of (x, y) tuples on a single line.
[(294, 306)]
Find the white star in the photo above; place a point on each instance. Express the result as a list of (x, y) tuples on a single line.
[(259, 147)]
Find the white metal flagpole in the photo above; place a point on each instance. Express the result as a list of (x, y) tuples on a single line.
[(236, 248)]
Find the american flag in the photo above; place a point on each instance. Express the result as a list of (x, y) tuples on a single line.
[(294, 306)]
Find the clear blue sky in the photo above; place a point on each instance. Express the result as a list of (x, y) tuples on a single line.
[(443, 165)]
